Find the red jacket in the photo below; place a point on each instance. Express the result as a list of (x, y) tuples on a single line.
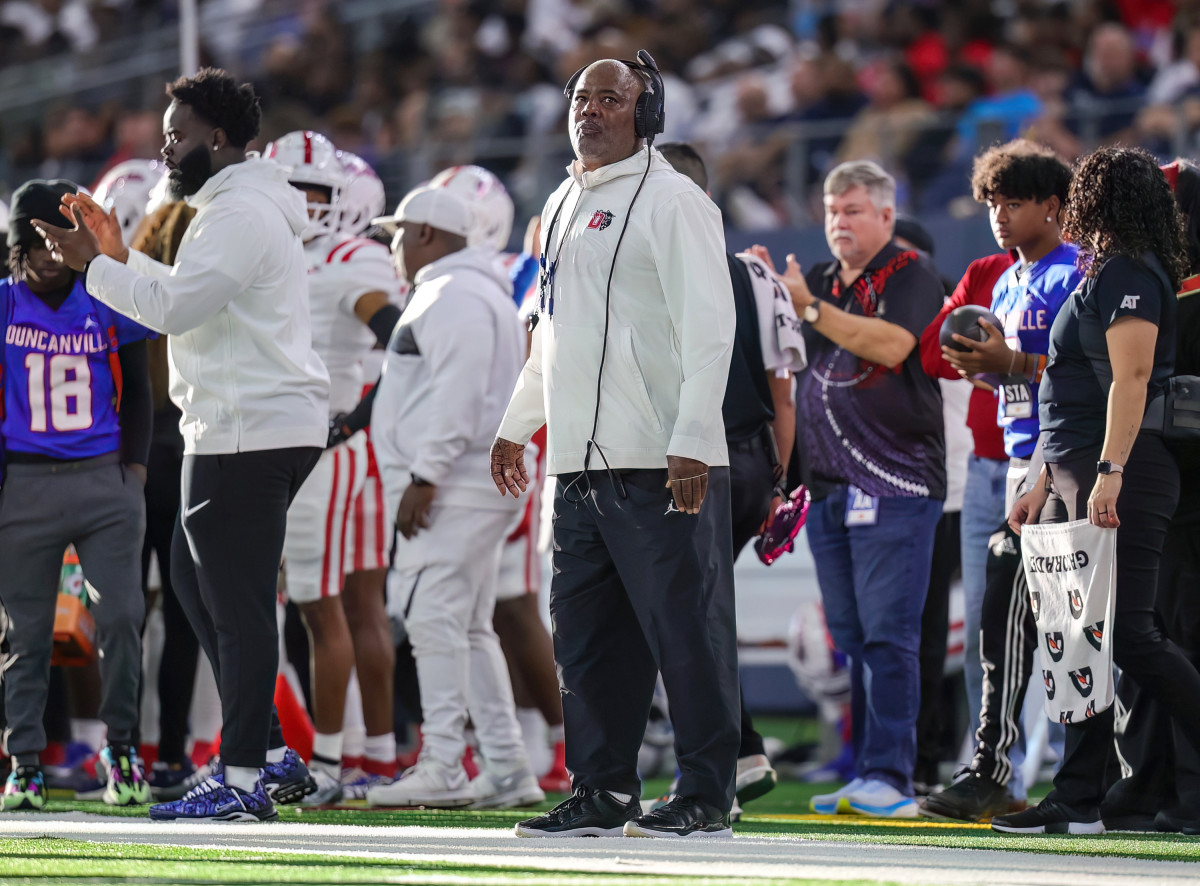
[(975, 288)]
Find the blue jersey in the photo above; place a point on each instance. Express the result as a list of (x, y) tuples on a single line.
[(1026, 300), (60, 396)]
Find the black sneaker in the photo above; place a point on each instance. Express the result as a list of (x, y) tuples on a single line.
[(1175, 818), (586, 813), (972, 796), (682, 817), (1050, 817)]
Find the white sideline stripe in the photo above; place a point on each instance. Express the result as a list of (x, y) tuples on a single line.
[(741, 858)]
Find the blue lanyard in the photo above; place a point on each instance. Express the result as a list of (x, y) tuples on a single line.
[(547, 269)]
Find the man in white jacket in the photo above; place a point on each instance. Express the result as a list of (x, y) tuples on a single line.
[(254, 397), (450, 367), (627, 371)]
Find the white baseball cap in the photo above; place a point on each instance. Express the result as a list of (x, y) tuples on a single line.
[(435, 206)]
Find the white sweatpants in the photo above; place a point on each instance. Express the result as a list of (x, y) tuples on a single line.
[(444, 590)]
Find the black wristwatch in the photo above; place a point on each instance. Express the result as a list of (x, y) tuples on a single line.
[(1104, 466), (420, 481)]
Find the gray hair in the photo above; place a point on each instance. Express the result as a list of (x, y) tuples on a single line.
[(881, 187)]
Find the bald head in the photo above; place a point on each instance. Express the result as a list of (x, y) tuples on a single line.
[(602, 113)]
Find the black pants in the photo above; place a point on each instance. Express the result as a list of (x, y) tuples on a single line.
[(1149, 494), (181, 649), (751, 486), (227, 550), (1165, 768), (935, 627), (640, 589)]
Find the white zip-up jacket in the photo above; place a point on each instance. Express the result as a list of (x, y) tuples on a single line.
[(235, 304), (671, 323), (451, 364)]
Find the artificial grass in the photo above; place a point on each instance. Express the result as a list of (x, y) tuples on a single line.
[(46, 860), (783, 812)]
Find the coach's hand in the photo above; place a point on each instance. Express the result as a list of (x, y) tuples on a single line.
[(74, 247), (508, 467), (103, 224), (688, 481), (413, 513)]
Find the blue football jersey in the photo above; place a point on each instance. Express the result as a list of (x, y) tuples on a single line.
[(60, 396)]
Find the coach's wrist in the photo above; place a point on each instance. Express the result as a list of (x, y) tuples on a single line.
[(418, 480)]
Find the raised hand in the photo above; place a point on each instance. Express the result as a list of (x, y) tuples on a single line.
[(103, 224)]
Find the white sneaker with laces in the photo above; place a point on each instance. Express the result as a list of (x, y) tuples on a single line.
[(429, 783), (517, 788), (755, 777), (328, 792), (832, 804), (879, 799)]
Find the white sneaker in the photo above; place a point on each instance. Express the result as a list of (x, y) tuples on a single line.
[(832, 804), (755, 777), (429, 783), (328, 792), (879, 799), (518, 788)]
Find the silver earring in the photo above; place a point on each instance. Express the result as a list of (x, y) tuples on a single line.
[(1049, 219)]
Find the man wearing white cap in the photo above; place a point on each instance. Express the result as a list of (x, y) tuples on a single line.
[(450, 367)]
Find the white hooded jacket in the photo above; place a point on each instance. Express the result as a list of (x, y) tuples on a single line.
[(671, 323), (235, 304), (450, 367)]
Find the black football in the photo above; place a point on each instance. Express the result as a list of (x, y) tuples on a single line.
[(964, 321)]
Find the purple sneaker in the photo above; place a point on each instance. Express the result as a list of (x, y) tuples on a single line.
[(214, 801), (288, 781), (778, 538)]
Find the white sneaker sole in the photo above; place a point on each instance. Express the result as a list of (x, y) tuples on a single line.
[(633, 829), (522, 831), (1073, 827), (516, 798), (754, 783), (447, 800)]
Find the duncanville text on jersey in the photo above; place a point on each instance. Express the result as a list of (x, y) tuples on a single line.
[(35, 339)]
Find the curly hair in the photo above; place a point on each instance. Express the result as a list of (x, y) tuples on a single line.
[(215, 96), (1187, 195), (1120, 204), (1020, 169)]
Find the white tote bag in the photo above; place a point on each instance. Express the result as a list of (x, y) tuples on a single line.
[(1071, 572)]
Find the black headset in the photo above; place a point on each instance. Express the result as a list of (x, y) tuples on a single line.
[(649, 115)]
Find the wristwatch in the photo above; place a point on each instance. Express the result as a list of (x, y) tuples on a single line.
[(1104, 466), (812, 313)]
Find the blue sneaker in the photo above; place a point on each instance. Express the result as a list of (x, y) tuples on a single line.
[(288, 781), (171, 781), (214, 801)]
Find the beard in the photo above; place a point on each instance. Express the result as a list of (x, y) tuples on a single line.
[(190, 174)]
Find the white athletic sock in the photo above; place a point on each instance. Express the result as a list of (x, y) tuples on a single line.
[(91, 732), (276, 755), (380, 748), (243, 778), (555, 735), (620, 798), (327, 753)]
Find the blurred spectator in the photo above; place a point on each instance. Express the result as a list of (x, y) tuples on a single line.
[(935, 164), (1108, 90), (885, 129)]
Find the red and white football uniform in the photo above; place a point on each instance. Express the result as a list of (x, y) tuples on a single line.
[(320, 528)]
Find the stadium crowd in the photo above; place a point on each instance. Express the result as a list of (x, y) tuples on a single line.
[(827, 388), (774, 93)]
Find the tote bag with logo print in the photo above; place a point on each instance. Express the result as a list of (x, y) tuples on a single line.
[(1071, 572)]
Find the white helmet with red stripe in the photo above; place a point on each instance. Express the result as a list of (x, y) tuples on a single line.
[(363, 197), (311, 159), (127, 188), (493, 208)]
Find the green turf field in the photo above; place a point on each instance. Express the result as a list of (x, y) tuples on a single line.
[(42, 860)]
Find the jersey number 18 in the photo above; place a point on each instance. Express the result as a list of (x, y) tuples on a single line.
[(78, 386)]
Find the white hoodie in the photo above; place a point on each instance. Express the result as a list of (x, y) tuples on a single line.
[(451, 364), (671, 324), (235, 304)]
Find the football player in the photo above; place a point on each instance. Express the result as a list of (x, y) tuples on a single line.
[(352, 287)]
